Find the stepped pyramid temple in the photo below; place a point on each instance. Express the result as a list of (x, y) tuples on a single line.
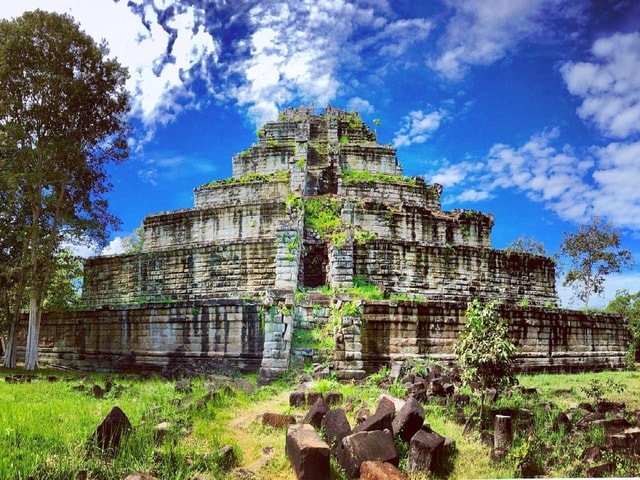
[(317, 249)]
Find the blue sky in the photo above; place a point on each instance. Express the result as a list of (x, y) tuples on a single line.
[(528, 109)]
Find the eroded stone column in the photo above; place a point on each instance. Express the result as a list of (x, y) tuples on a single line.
[(277, 312)]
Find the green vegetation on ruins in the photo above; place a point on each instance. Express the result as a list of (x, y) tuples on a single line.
[(280, 176), (46, 426), (364, 176)]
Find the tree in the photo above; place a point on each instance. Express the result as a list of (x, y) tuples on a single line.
[(526, 245), (628, 305), (65, 284), (12, 267), (63, 108), (134, 243), (594, 253), (484, 350)]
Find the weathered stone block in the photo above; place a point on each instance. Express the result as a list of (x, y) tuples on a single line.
[(336, 427), (363, 446), (277, 420), (381, 420), (108, 435), (316, 413), (408, 420), (297, 399), (424, 450), (374, 470), (307, 453)]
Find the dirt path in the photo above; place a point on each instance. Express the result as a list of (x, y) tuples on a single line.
[(262, 448)]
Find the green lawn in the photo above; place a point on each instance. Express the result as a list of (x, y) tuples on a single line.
[(45, 427)]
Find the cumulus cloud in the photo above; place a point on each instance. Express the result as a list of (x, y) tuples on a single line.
[(360, 105), (115, 247), (259, 55), (417, 127), (616, 177), (548, 174), (600, 181), (275, 54), (481, 32), (82, 249), (609, 85)]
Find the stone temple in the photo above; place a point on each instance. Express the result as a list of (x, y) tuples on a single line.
[(317, 249)]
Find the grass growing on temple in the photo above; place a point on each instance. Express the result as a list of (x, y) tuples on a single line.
[(45, 427)]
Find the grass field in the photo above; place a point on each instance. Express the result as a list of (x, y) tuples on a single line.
[(45, 427)]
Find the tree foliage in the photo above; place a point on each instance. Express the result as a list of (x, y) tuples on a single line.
[(66, 282), (526, 245), (134, 243), (628, 305), (594, 253), (484, 350), (62, 120)]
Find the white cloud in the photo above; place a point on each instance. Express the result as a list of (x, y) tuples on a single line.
[(450, 175), (555, 177), (115, 247), (292, 56), (82, 249), (481, 32), (609, 85), (473, 195), (360, 105), (600, 181), (617, 177), (417, 127)]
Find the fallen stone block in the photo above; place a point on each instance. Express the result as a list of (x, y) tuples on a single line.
[(336, 427), (381, 420), (277, 420), (333, 398), (307, 452), (382, 402), (160, 432), (312, 397), (409, 420), (227, 457), (140, 476), (316, 413), (362, 414), (108, 434), (425, 449), (374, 470), (363, 446), (297, 399), (562, 422)]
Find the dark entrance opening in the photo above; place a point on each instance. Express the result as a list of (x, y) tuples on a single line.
[(316, 260)]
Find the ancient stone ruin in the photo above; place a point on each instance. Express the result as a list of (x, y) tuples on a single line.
[(317, 249)]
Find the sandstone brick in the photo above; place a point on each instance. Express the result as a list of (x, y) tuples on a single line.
[(277, 420), (409, 420), (362, 446), (373, 470), (424, 450), (307, 453)]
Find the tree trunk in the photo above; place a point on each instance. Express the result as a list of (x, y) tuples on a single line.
[(33, 333), (10, 348)]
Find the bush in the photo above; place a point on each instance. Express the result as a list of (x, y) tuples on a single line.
[(485, 351)]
